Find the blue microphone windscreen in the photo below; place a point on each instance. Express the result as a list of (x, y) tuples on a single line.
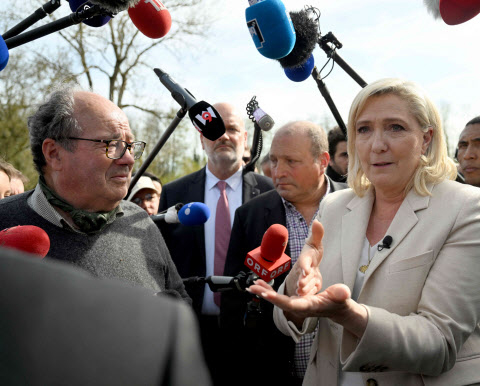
[(195, 213), (96, 21), (4, 55), (300, 73), (271, 28)]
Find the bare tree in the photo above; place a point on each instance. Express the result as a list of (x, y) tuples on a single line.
[(117, 52)]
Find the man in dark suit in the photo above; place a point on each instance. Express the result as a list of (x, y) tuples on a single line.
[(298, 157), (61, 326), (196, 250)]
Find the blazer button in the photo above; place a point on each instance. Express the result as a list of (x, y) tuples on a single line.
[(371, 382)]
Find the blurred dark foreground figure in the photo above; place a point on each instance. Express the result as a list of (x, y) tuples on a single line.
[(60, 326)]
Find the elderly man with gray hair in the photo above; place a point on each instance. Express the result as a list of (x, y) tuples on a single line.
[(84, 151)]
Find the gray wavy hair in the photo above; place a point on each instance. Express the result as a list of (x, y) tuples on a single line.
[(54, 119)]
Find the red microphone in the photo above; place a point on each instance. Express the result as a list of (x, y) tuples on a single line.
[(151, 17), (458, 11), (269, 260), (26, 238), (453, 12)]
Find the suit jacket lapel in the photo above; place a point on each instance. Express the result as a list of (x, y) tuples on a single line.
[(249, 187), (354, 228), (405, 219), (197, 194)]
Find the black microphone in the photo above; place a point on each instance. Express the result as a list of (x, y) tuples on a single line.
[(386, 243), (204, 117), (98, 8), (39, 14), (223, 283), (307, 35)]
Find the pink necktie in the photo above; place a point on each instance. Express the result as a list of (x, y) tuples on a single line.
[(222, 234)]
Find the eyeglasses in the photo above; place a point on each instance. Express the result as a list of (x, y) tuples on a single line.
[(116, 148), (148, 197)]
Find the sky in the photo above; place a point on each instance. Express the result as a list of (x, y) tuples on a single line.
[(394, 38)]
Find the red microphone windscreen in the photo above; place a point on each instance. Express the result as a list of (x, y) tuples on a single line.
[(26, 238), (458, 11), (269, 260), (274, 242), (151, 18)]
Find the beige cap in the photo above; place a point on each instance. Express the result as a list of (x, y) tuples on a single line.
[(142, 183)]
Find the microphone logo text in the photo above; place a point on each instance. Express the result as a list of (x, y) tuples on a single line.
[(256, 33), (206, 116), (156, 4)]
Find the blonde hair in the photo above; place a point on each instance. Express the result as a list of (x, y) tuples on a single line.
[(434, 166)]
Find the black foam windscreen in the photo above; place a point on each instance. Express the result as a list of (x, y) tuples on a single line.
[(207, 120), (307, 33), (115, 6)]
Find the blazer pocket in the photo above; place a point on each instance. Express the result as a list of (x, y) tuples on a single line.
[(411, 262)]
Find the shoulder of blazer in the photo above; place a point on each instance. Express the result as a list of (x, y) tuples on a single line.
[(253, 185), (195, 177), (269, 199), (257, 180), (187, 188), (334, 186)]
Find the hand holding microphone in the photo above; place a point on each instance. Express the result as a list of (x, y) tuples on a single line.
[(304, 299)]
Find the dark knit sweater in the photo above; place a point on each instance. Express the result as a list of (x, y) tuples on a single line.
[(130, 249)]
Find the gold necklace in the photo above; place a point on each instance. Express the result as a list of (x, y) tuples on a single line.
[(363, 268)]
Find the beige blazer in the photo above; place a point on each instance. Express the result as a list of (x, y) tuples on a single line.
[(422, 294)]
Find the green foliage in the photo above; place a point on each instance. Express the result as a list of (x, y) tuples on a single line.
[(26, 78), (117, 56)]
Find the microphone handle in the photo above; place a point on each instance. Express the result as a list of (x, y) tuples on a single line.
[(181, 95), (224, 283), (161, 142), (38, 15), (158, 217), (57, 25)]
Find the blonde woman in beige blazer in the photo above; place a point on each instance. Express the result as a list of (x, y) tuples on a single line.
[(398, 311)]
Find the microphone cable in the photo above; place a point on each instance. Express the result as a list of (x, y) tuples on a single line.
[(257, 143)]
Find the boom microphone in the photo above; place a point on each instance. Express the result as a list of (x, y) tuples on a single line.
[(302, 72), (269, 260), (151, 18), (307, 33), (96, 21), (39, 14), (26, 238), (57, 25), (204, 117), (270, 27)]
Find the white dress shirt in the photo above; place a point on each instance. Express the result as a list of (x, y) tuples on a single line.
[(212, 194)]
